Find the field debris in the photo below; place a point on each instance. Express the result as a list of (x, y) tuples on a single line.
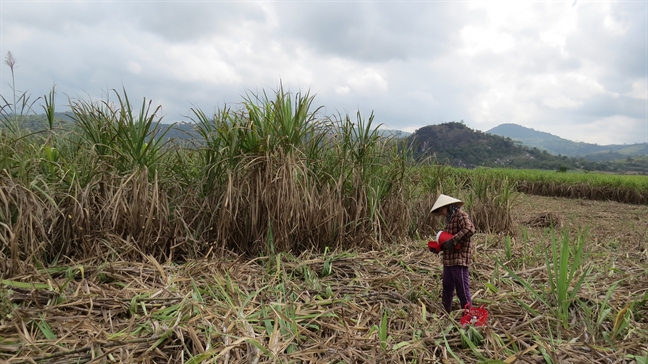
[(545, 219), (363, 306)]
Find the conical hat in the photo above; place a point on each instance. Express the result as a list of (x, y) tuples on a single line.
[(444, 200)]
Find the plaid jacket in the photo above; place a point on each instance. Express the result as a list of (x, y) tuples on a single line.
[(462, 228)]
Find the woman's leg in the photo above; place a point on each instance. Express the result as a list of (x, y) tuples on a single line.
[(462, 284), (448, 288)]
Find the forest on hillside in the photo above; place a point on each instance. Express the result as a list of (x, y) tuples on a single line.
[(457, 145)]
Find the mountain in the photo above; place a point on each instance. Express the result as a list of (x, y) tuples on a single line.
[(399, 134), (560, 146), (458, 145)]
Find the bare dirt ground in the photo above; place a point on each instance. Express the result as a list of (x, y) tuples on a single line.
[(621, 228), (605, 219)]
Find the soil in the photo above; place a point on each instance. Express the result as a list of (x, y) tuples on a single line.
[(614, 224)]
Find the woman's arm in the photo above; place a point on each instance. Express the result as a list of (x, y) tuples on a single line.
[(466, 227)]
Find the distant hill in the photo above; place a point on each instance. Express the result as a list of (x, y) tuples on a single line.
[(64, 121), (560, 146), (458, 145), (394, 133)]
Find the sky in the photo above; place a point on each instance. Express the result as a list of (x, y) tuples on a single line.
[(576, 69)]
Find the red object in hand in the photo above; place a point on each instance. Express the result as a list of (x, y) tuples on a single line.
[(434, 247), (442, 237)]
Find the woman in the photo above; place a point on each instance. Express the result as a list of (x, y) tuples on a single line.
[(456, 251)]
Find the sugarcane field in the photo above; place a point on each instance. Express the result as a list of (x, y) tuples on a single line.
[(282, 236)]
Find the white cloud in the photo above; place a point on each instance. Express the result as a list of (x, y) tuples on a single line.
[(561, 103), (616, 27), (639, 89), (200, 63), (368, 81), (555, 39), (134, 67), (564, 91), (620, 128), (477, 40), (342, 90), (539, 63), (19, 34)]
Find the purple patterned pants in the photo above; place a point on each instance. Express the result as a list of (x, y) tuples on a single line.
[(456, 278)]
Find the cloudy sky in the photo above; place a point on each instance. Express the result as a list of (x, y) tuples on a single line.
[(576, 69)]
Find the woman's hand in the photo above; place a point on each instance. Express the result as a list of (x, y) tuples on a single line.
[(448, 245)]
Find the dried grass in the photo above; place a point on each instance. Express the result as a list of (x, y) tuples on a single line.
[(545, 219), (317, 308), (23, 221), (629, 195)]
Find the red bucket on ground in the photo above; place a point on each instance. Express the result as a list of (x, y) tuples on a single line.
[(474, 316)]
